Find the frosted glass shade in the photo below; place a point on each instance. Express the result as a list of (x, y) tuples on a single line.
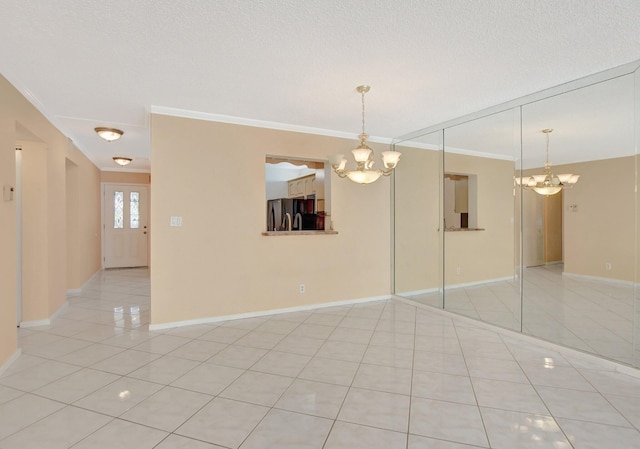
[(364, 176), (547, 190), (335, 159), (361, 154), (390, 158)]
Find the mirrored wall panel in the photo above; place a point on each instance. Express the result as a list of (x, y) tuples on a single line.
[(480, 248), (579, 242), (526, 217)]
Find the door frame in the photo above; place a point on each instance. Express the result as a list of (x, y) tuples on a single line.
[(103, 187)]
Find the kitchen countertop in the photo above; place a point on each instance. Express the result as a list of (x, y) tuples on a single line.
[(274, 233)]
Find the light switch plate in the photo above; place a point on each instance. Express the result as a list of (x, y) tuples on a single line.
[(176, 221)]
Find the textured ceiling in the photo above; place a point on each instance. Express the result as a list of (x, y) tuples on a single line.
[(87, 63)]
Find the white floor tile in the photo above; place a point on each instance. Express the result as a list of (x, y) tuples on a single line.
[(581, 405), (208, 378), (164, 370), (376, 409), (167, 409), (449, 421), (383, 378), (282, 363), (522, 430), (76, 385), (223, 422), (587, 435), (257, 388), (331, 371), (59, 430), (123, 435), (119, 396), (238, 356), (348, 363), (504, 395), (446, 387), (313, 398), (287, 430), (353, 436), (178, 442), (23, 411)]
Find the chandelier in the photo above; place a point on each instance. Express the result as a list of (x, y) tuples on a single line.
[(363, 154), (547, 183)]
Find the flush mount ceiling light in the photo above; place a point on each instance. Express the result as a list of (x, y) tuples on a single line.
[(109, 134), (122, 161), (547, 183), (364, 172)]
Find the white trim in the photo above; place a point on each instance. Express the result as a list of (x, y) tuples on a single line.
[(485, 281), (46, 321), (597, 360), (597, 278), (240, 316), (419, 292), (10, 361), (77, 291), (197, 115)]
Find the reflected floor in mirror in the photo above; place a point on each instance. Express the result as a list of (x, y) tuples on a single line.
[(590, 315), (383, 374)]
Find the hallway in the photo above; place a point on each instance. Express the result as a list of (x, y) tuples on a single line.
[(382, 375)]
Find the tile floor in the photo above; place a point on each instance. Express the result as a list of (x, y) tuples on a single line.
[(586, 314), (379, 375)]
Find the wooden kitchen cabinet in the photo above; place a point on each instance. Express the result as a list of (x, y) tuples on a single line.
[(302, 187)]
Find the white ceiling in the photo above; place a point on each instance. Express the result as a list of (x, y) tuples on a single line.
[(88, 63)]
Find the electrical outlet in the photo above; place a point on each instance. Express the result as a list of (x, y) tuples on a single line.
[(607, 266), (458, 271), (301, 288)]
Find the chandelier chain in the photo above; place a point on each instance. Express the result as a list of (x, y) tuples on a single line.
[(363, 133)]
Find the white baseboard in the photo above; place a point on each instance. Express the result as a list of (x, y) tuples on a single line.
[(77, 291), (6, 365), (597, 278), (240, 316), (484, 281), (46, 321), (597, 360), (420, 292)]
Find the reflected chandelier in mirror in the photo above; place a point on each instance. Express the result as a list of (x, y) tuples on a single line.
[(548, 183)]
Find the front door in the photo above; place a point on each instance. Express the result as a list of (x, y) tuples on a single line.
[(126, 225)]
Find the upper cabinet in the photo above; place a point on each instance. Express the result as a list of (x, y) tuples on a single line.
[(302, 187)]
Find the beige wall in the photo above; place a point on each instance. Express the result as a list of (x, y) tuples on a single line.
[(218, 263), (16, 112), (125, 177), (417, 218), (35, 223), (488, 254), (602, 229), (480, 255)]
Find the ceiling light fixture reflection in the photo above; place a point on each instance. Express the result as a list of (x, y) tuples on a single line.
[(363, 154), (122, 161), (109, 134), (547, 183)]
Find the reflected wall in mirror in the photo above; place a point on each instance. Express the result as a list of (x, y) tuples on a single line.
[(561, 267), (417, 230), (578, 245), (480, 260)]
